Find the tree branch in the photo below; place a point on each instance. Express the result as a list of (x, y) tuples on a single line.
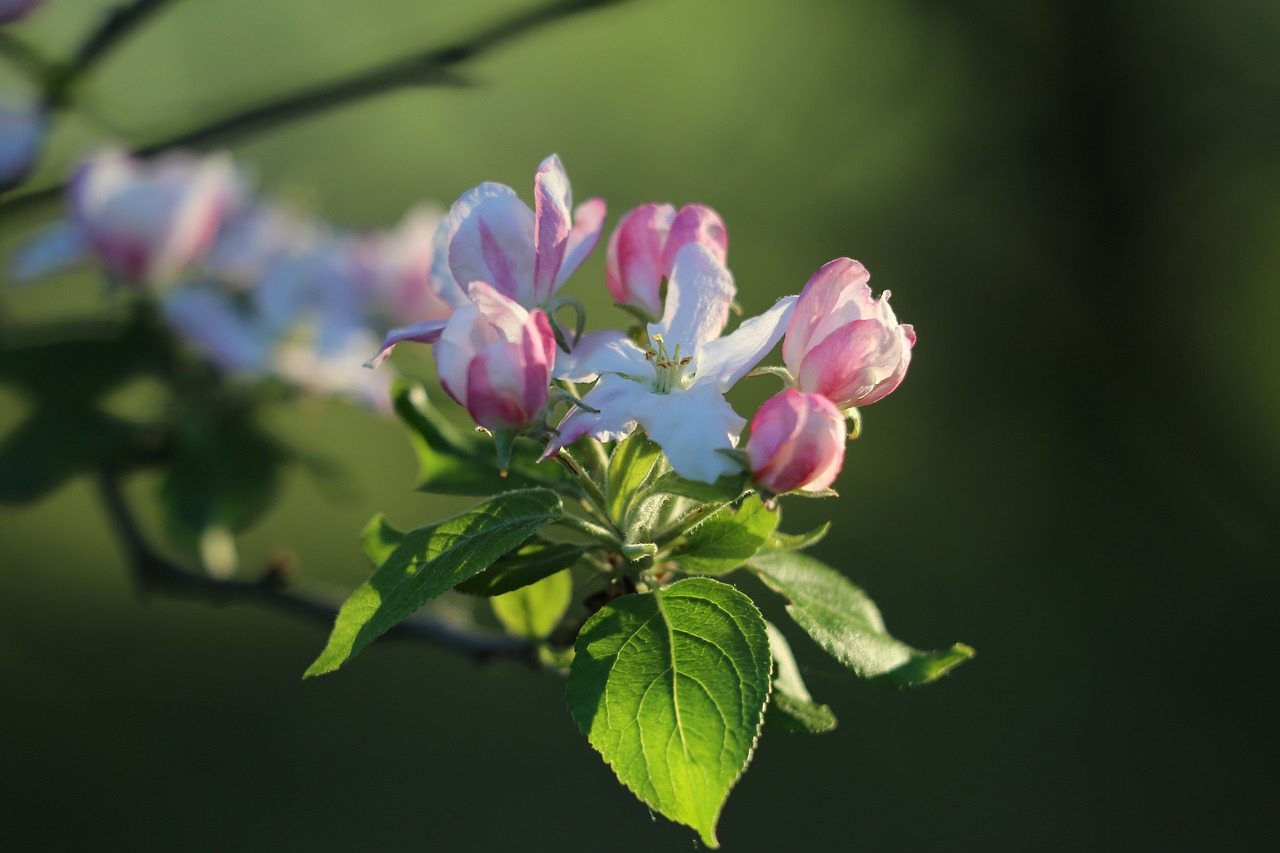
[(154, 573), (428, 68)]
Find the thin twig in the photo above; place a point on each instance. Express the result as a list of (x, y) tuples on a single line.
[(429, 68), (115, 27), (154, 573)]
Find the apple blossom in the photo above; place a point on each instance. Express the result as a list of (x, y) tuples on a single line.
[(797, 443), (841, 342), (674, 388), (643, 248), (495, 358), (22, 132), (524, 254), (147, 221)]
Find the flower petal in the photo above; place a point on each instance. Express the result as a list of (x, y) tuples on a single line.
[(726, 360), (691, 426), (491, 238), (824, 305), (696, 223), (698, 298), (424, 333), (588, 224), (634, 269), (857, 364), (552, 200), (615, 399), (608, 351)]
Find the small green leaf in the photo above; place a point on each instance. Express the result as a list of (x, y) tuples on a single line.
[(727, 539), (670, 687), (726, 489), (630, 465), (534, 611), (454, 464), (430, 561), (791, 708), (379, 539), (845, 622), (800, 541), (529, 564)]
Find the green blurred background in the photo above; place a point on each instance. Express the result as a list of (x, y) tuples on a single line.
[(1076, 203)]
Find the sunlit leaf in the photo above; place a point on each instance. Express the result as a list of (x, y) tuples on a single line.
[(727, 539), (845, 622), (670, 687), (431, 560), (534, 611), (791, 708), (630, 465), (379, 539)]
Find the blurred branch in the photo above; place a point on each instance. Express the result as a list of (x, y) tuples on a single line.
[(154, 573), (115, 27), (429, 68)]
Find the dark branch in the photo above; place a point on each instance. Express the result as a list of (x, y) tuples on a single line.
[(429, 68), (156, 574)]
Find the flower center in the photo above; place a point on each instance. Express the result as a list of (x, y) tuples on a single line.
[(668, 368)]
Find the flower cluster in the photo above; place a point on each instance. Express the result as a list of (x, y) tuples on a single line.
[(497, 356), (258, 291)]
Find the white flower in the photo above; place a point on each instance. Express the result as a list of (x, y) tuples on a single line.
[(674, 388)]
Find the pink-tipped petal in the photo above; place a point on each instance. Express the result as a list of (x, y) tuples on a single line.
[(552, 202), (797, 443), (836, 283), (634, 269), (491, 238), (696, 223), (588, 224), (423, 333), (857, 364)]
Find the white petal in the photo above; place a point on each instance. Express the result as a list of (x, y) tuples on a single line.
[(691, 426), (726, 360), (698, 297), (610, 351)]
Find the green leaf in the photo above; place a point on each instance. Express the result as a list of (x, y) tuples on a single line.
[(450, 463), (379, 539), (529, 564), (791, 708), (727, 539), (845, 622), (630, 465), (534, 611), (430, 561), (670, 687), (726, 489), (800, 541)]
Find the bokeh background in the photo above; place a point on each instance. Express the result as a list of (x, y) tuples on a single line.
[(1076, 203)]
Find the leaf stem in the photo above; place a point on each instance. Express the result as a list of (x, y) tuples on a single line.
[(593, 531)]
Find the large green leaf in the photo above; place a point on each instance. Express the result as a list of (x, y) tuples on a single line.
[(630, 465), (791, 708), (727, 539), (451, 463), (670, 687), (529, 564), (534, 611), (431, 560), (845, 622)]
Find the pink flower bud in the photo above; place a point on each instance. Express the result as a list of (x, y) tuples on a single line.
[(21, 135), (643, 248), (147, 221), (797, 443), (495, 359), (12, 10), (842, 343)]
